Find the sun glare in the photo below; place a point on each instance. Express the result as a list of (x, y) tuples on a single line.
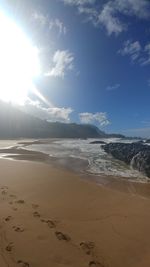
[(19, 62)]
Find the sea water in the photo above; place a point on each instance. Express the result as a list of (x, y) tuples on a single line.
[(99, 161)]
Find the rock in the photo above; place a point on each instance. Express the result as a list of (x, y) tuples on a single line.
[(98, 142), (137, 154), (147, 141), (123, 151), (141, 162), (140, 142)]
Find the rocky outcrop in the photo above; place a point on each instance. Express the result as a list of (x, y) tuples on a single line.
[(98, 142), (141, 162), (135, 154)]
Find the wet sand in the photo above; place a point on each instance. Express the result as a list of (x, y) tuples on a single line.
[(52, 217), (22, 153)]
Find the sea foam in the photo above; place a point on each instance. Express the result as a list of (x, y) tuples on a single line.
[(99, 161)]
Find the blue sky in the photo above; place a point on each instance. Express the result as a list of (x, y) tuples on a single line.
[(95, 58)]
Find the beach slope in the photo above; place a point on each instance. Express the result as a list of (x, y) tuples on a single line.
[(51, 217)]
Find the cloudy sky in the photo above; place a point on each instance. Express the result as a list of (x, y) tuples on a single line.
[(95, 61)]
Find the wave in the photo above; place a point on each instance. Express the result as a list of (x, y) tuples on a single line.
[(99, 161)]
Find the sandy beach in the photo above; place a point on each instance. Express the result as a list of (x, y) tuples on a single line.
[(52, 217), (75, 133)]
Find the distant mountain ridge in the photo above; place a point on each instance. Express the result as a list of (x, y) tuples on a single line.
[(17, 124)]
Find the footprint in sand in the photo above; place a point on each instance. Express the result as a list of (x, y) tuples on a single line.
[(13, 196), (4, 192), (18, 229), (8, 218), (36, 214), (9, 247), (95, 264), (23, 263), (35, 206), (62, 236), (14, 208), (4, 187), (87, 247), (50, 223), (20, 201)]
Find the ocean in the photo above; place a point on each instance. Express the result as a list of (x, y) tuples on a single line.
[(99, 162)]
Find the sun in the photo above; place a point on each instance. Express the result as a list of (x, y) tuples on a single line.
[(19, 62)]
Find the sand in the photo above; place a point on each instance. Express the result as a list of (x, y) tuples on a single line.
[(52, 217)]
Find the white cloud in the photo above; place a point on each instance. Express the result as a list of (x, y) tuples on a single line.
[(63, 62), (147, 49), (59, 114), (44, 21), (35, 108), (99, 117), (113, 87), (108, 14), (78, 2), (138, 8), (90, 12), (108, 19), (137, 53), (131, 48), (40, 18), (56, 23), (146, 60)]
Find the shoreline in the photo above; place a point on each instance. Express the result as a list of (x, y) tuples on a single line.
[(19, 153), (75, 166)]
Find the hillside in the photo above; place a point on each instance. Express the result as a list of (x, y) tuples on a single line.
[(16, 124)]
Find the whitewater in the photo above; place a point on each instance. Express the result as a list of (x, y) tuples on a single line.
[(99, 162)]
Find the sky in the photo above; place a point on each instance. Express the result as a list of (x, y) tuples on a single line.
[(94, 58)]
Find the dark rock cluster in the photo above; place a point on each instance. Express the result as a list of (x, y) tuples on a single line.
[(136, 154), (98, 142)]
